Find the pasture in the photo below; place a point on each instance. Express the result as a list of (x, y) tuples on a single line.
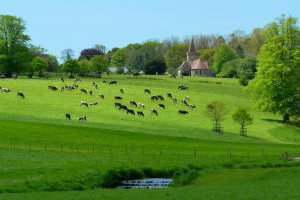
[(40, 148)]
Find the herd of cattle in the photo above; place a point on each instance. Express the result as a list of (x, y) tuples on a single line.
[(159, 99)]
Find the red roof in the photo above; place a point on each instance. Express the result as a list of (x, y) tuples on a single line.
[(199, 64)]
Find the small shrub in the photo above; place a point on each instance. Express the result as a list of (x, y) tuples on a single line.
[(227, 165), (184, 177), (243, 80)]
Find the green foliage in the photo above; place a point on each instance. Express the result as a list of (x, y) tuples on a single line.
[(39, 64), (207, 55), (174, 56), (99, 63), (84, 66), (70, 66), (243, 80), (243, 118), (217, 112), (277, 80), (118, 58), (223, 54), (230, 69), (247, 67), (157, 65)]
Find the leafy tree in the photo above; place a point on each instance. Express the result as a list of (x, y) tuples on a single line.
[(101, 48), (67, 54), (242, 117), (230, 69), (247, 67), (13, 44), (223, 54), (118, 58), (253, 44), (110, 53), (84, 66), (156, 65), (134, 57), (70, 66), (207, 55), (277, 79), (99, 63), (39, 64), (89, 53), (53, 65), (216, 111), (174, 56)]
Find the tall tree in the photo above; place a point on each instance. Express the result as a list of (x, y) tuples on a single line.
[(89, 53), (70, 66), (13, 44), (277, 79), (175, 55), (39, 64), (99, 63), (216, 111), (67, 54), (223, 54)]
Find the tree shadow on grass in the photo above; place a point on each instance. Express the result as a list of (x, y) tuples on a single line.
[(273, 120)]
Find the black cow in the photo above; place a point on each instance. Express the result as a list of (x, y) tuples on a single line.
[(122, 107), (91, 93), (84, 103), (169, 95), (160, 97), (83, 91), (133, 103), (117, 104), (112, 82), (192, 106), (19, 94), (154, 112), (130, 111), (184, 102), (82, 118), (175, 100), (184, 88), (54, 88), (162, 106), (101, 96), (62, 79), (154, 98), (183, 112), (118, 98), (94, 103), (140, 113), (147, 91), (104, 81), (68, 116), (122, 91)]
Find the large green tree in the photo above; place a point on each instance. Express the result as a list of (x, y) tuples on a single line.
[(39, 64), (278, 78), (99, 63), (174, 56), (70, 66), (223, 54), (14, 49)]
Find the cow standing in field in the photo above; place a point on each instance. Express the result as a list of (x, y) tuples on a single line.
[(130, 111), (83, 91), (154, 112), (123, 107), (82, 118), (20, 94), (117, 104), (140, 113), (175, 100), (68, 116), (6, 90), (147, 91), (161, 105), (154, 98), (192, 106), (62, 80), (182, 87), (91, 93), (112, 82), (141, 105), (83, 103), (133, 103), (184, 102), (94, 103), (183, 112), (101, 96), (160, 97), (118, 98), (169, 95)]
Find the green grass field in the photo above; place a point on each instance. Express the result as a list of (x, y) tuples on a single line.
[(39, 147)]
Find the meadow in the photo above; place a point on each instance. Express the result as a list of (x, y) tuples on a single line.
[(41, 151)]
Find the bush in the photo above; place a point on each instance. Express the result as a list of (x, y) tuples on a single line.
[(157, 65), (184, 177), (243, 80)]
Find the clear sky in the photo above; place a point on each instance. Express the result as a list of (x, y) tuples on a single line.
[(78, 24)]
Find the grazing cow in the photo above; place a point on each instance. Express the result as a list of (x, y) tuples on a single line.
[(183, 88), (140, 113), (6, 90), (141, 105), (118, 98), (83, 91), (101, 96), (154, 112), (62, 80), (83, 103), (93, 84), (154, 98), (117, 104), (122, 91), (175, 100), (122, 107), (187, 98), (94, 103), (104, 81), (75, 85), (130, 111), (68, 116), (169, 95), (160, 97), (82, 118), (192, 106), (184, 102), (62, 89), (91, 92), (162, 106), (133, 103), (19, 94), (54, 88), (147, 91), (112, 82), (183, 112)]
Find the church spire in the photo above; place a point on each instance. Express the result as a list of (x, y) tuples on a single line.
[(192, 47)]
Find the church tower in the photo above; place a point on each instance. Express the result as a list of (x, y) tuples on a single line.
[(192, 53)]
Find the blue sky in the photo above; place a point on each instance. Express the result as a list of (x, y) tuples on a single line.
[(79, 24)]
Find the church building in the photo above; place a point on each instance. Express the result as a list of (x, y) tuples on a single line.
[(193, 66)]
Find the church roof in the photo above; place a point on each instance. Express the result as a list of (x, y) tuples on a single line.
[(192, 46), (199, 64)]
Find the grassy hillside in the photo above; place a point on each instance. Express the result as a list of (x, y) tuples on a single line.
[(38, 145)]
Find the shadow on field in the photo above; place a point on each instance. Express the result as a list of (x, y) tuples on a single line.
[(273, 120)]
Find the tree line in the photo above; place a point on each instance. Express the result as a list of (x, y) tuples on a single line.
[(269, 55)]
